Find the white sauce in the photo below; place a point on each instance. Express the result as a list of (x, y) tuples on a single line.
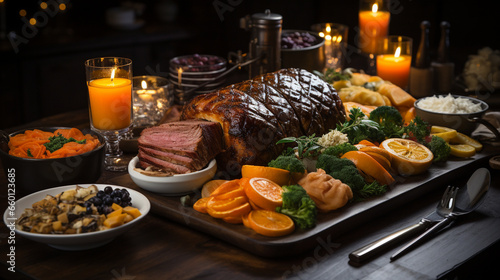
[(449, 104)]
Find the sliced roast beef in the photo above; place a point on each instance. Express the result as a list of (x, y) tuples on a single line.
[(162, 164), (182, 146)]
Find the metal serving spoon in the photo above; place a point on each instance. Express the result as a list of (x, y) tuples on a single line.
[(479, 181), (467, 200)]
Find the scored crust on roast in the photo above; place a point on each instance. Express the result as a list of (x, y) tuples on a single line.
[(275, 102), (257, 113), (248, 125)]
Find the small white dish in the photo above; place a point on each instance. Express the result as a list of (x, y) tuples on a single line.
[(80, 241), (172, 185)]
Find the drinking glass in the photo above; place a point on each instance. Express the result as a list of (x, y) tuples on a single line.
[(153, 98), (109, 81), (374, 18), (394, 60), (335, 35)]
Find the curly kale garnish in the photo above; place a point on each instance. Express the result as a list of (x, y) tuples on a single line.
[(56, 142)]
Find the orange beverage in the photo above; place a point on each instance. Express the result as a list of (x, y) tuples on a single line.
[(110, 103)]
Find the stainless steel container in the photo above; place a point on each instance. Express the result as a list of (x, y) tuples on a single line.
[(265, 41), (308, 58)]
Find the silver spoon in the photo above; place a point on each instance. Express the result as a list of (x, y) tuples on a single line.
[(467, 200)]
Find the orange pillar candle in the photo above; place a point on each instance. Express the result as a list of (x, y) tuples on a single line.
[(110, 103), (374, 26), (394, 68)]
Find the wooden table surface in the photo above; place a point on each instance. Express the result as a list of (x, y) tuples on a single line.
[(158, 248)]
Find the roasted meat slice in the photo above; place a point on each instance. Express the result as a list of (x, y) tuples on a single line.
[(182, 146)]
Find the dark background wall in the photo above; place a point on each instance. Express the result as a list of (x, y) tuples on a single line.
[(42, 72)]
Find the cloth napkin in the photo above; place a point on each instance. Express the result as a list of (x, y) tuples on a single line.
[(482, 133)]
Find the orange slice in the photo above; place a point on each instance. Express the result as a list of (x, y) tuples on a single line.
[(226, 204), (233, 212), (408, 156), (386, 164), (270, 223), (210, 186), (369, 166), (277, 175), (244, 220), (264, 193), (201, 205), (377, 150), (226, 187), (233, 220)]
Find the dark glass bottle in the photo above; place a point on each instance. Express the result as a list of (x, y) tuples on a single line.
[(421, 73), (444, 69)]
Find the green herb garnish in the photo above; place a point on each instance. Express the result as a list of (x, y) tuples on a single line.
[(29, 153), (307, 146), (56, 142)]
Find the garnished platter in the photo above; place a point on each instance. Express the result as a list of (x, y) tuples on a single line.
[(329, 225)]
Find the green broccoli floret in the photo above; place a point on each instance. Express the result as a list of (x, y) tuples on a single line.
[(340, 149), (350, 176), (389, 119), (299, 206), (439, 148), (290, 163), (346, 171), (331, 163)]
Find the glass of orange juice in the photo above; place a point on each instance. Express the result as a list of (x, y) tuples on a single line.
[(109, 81)]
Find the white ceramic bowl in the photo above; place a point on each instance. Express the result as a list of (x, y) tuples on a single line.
[(173, 185), (80, 241)]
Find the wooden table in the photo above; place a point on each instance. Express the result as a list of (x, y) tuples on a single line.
[(158, 248)]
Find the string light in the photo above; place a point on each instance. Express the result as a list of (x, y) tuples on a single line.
[(22, 12), (62, 6), (43, 5), (32, 21)]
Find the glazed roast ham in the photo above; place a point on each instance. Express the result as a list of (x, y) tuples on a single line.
[(256, 113), (180, 147)]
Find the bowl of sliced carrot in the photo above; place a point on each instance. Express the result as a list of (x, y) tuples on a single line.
[(39, 158)]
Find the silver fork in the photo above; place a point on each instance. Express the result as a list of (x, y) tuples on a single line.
[(445, 210)]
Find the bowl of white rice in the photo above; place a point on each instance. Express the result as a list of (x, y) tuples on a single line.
[(461, 113)]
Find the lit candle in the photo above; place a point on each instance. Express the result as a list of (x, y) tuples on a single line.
[(110, 102), (145, 94), (394, 68), (374, 26)]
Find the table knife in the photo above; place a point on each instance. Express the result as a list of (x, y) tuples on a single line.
[(366, 252)]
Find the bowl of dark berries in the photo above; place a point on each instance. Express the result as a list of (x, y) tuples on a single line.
[(302, 49), (77, 217), (189, 72)]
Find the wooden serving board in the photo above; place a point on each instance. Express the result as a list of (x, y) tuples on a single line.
[(329, 225)]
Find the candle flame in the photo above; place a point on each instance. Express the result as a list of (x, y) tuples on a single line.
[(321, 34), (113, 74), (144, 85), (374, 8), (339, 39), (328, 28), (328, 37), (397, 53)]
